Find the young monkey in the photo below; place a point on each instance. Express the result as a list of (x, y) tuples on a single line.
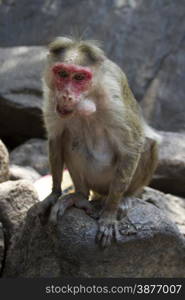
[(95, 128)]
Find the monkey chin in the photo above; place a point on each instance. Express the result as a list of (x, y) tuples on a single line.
[(84, 109), (64, 112)]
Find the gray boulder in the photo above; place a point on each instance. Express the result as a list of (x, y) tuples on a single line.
[(150, 245), (4, 163), (28, 173), (32, 153), (2, 246), (170, 173), (20, 93), (172, 206), (16, 197), (163, 103), (130, 30)]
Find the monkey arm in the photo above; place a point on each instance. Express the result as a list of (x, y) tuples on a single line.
[(56, 161), (56, 166)]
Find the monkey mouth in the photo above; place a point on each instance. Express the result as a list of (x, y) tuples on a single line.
[(63, 111)]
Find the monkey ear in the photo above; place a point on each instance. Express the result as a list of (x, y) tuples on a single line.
[(93, 51), (59, 45)]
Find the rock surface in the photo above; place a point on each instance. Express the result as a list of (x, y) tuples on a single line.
[(163, 103), (69, 249), (20, 93), (170, 174), (172, 206), (28, 173), (32, 153), (2, 245), (16, 197), (129, 30), (4, 163)]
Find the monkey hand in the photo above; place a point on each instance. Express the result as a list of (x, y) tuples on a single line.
[(66, 201), (108, 228), (45, 206)]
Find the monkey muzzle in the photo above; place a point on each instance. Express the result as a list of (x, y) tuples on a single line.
[(64, 111), (71, 83)]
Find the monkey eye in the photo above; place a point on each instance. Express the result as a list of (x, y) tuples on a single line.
[(63, 74), (79, 77)]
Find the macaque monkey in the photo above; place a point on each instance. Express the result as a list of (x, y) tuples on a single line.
[(95, 128)]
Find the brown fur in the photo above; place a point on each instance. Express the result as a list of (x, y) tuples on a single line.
[(112, 152)]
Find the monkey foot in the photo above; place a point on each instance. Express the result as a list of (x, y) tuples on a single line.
[(83, 204), (66, 201), (124, 207), (108, 229), (45, 207)]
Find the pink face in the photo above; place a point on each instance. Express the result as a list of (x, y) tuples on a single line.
[(71, 82)]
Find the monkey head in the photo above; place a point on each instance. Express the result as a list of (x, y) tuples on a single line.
[(73, 76), (72, 83)]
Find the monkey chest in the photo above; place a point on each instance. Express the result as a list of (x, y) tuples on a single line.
[(91, 153), (90, 162)]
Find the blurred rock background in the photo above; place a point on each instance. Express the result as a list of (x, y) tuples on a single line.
[(147, 39)]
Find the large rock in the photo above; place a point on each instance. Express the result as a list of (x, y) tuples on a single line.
[(39, 259), (2, 246), (172, 206), (20, 93), (139, 35), (28, 173), (170, 173), (16, 197), (150, 246), (4, 163), (32, 153), (163, 103), (130, 31)]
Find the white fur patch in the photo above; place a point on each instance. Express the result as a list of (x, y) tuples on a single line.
[(86, 107)]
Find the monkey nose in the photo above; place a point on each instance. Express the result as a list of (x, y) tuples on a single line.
[(67, 99)]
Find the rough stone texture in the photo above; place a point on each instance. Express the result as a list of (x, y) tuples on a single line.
[(16, 197), (155, 249), (31, 253), (146, 38), (20, 93), (32, 153), (127, 28), (28, 173), (1, 246), (164, 104), (170, 174), (4, 163), (172, 206)]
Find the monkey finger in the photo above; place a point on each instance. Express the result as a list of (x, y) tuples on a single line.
[(64, 203), (95, 214), (54, 214), (84, 204), (100, 233), (44, 208), (107, 237), (116, 233)]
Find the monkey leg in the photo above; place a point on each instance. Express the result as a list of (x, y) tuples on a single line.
[(123, 208), (108, 223), (145, 169), (143, 174), (65, 201)]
